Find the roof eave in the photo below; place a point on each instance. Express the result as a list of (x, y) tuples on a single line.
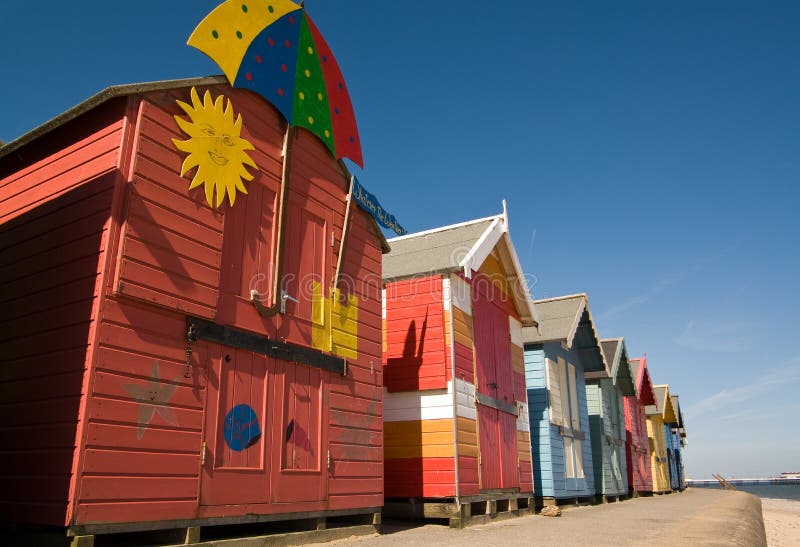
[(97, 99)]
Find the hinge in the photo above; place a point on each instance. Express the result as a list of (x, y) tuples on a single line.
[(329, 460), (203, 454), (333, 239)]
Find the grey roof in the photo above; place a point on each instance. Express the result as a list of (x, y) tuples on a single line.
[(661, 392), (568, 319), (433, 251), (619, 367), (635, 364), (558, 319), (676, 405)]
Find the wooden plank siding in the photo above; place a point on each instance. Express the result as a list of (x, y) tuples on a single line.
[(415, 341), (658, 454), (81, 151), (547, 442), (142, 269), (639, 468), (51, 257), (607, 437)]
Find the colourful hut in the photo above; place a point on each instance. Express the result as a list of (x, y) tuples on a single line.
[(558, 353), (658, 416), (172, 364), (605, 391), (455, 412), (678, 436), (637, 445)]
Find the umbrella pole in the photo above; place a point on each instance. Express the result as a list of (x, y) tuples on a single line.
[(279, 247), (345, 230)]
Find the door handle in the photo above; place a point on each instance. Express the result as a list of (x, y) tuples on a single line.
[(284, 297)]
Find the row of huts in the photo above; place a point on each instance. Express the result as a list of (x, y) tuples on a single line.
[(490, 392), (169, 364)]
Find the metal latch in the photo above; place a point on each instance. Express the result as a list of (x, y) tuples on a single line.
[(284, 297)]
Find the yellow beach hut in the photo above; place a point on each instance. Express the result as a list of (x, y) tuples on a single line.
[(657, 415)]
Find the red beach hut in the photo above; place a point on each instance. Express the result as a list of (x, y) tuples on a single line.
[(637, 446), (456, 429), (167, 364)]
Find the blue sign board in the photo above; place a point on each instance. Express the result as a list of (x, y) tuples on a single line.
[(370, 204)]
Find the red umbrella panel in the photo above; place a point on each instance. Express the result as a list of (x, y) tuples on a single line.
[(288, 63)]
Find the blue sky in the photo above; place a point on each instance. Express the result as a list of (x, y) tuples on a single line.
[(649, 153)]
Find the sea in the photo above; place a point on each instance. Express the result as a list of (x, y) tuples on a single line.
[(772, 491)]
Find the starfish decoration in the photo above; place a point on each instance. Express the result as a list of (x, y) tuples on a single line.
[(152, 398)]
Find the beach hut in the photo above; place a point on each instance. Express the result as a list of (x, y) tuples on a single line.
[(455, 413), (658, 416), (678, 434), (558, 353), (605, 391), (172, 364), (637, 444)]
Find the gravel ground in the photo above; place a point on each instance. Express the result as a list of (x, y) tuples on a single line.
[(693, 517)]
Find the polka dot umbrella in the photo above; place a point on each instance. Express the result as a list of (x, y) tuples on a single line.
[(273, 48)]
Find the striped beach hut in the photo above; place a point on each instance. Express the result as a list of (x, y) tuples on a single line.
[(658, 416), (605, 391), (637, 444), (456, 424), (557, 355)]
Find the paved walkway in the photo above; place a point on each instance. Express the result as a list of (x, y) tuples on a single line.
[(694, 517)]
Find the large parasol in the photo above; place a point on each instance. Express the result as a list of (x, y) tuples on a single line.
[(273, 47)]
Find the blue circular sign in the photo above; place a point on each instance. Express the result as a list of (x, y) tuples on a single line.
[(241, 428)]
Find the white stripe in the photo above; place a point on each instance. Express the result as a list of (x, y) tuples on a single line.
[(462, 294)]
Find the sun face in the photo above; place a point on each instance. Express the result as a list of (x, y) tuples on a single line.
[(215, 147)]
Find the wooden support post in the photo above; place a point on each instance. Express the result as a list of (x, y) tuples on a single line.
[(464, 516), (192, 535), (82, 541), (491, 507)]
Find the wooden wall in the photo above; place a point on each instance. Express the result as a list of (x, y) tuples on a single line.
[(165, 255), (419, 425), (50, 260), (549, 464), (423, 430), (606, 419), (640, 474), (658, 454), (177, 257)]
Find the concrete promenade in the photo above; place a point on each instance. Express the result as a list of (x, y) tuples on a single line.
[(693, 517)]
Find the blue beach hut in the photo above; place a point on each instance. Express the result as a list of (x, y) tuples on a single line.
[(678, 440), (558, 353)]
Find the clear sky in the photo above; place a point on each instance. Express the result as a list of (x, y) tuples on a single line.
[(649, 153)]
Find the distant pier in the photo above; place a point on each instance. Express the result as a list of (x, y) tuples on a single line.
[(736, 482)]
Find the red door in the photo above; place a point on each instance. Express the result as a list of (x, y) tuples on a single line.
[(306, 273), (497, 428), (300, 437), (236, 462)]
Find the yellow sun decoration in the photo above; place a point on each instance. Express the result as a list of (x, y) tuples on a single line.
[(215, 147)]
